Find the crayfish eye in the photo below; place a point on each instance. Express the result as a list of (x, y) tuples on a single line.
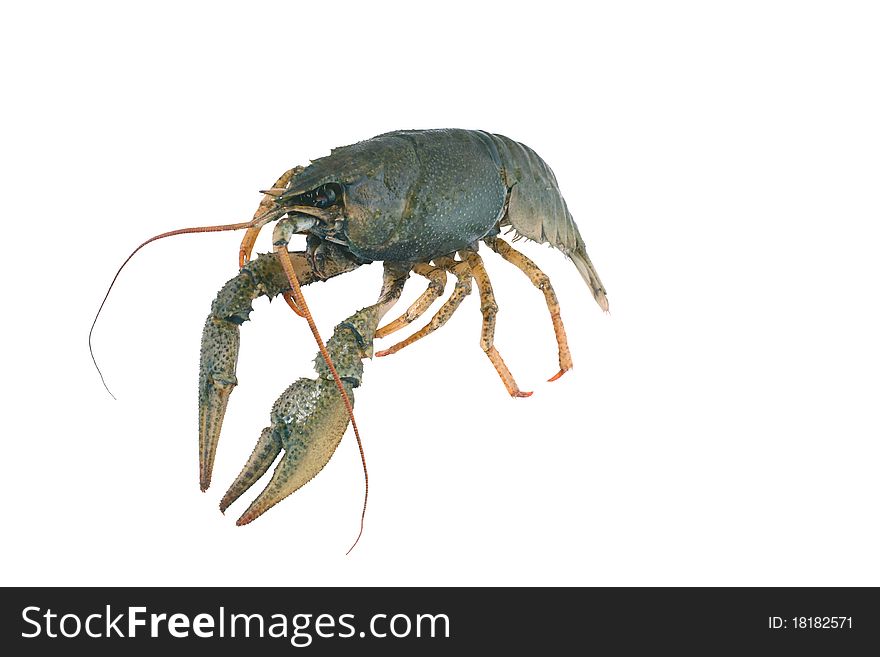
[(326, 195)]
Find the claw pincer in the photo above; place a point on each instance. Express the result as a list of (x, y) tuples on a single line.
[(220, 342), (220, 337), (308, 420)]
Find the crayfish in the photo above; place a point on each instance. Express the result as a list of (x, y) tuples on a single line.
[(420, 201)]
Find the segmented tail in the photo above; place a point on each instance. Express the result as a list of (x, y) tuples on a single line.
[(537, 210), (591, 277)]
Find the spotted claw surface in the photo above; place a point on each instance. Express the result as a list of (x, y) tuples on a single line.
[(307, 421), (220, 342), (262, 276)]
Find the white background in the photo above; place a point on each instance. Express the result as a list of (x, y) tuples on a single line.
[(720, 426)]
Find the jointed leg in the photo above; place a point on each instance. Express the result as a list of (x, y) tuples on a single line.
[(250, 237), (462, 272), (490, 309), (266, 206), (437, 278), (288, 297), (541, 281)]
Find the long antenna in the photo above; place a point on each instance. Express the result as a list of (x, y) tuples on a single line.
[(171, 233), (300, 301)]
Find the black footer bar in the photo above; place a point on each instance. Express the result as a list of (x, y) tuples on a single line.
[(439, 620)]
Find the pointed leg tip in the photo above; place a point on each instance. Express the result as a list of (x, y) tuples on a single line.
[(557, 375), (384, 352), (520, 393), (205, 472), (226, 502), (249, 516)]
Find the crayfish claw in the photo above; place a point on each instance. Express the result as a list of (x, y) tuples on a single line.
[(308, 422), (264, 454), (220, 341), (309, 418)]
